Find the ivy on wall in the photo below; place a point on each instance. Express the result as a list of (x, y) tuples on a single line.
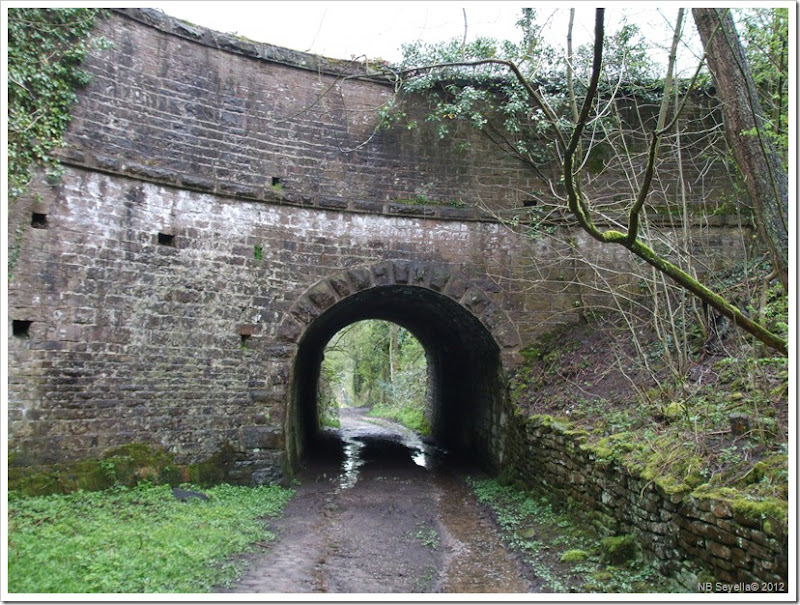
[(45, 49)]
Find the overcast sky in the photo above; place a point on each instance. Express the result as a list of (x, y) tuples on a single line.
[(345, 29), (378, 29)]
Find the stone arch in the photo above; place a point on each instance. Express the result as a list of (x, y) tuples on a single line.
[(468, 341), (444, 279)]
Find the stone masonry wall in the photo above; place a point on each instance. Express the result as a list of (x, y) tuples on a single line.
[(151, 313), (211, 111), (736, 548), (209, 182)]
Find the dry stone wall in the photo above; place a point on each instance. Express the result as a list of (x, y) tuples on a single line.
[(746, 552)]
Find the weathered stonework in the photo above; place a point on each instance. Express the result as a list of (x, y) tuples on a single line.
[(153, 319), (670, 527), (225, 208)]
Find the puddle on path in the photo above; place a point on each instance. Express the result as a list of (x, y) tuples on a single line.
[(382, 514), (365, 439)]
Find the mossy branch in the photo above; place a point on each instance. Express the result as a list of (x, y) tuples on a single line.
[(708, 296)]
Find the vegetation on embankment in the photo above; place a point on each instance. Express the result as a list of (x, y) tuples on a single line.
[(135, 540), (691, 409)]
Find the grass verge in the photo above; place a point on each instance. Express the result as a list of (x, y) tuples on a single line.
[(409, 415), (135, 540)]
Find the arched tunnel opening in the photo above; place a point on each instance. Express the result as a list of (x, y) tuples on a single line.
[(466, 388), (376, 369)]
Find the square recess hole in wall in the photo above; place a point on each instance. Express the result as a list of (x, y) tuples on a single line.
[(39, 220), (21, 328), (276, 181), (166, 239)]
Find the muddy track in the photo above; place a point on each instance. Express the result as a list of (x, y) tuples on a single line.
[(387, 517)]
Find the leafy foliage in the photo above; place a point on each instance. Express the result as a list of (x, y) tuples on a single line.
[(139, 540), (379, 365), (765, 36), (465, 91), (463, 88), (45, 49)]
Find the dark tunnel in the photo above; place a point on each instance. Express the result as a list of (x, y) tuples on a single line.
[(465, 378)]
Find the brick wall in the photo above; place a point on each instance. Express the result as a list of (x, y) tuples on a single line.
[(155, 314), (165, 102)]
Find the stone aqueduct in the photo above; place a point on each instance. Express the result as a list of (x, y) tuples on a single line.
[(225, 208)]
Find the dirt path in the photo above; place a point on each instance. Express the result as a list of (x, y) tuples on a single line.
[(387, 519)]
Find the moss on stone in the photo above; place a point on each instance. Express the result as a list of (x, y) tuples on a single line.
[(574, 555), (216, 469), (722, 493), (618, 550), (126, 465), (135, 462), (615, 446), (759, 511), (558, 423)]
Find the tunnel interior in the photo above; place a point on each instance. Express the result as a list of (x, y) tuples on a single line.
[(465, 377)]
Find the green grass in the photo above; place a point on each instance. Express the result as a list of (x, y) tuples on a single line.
[(134, 540), (409, 415)]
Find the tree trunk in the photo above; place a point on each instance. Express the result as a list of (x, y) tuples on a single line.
[(765, 178), (394, 352)]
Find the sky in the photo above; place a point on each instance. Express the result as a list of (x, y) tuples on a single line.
[(345, 30)]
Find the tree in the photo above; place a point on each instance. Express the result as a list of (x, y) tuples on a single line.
[(745, 127), (376, 364), (523, 94)]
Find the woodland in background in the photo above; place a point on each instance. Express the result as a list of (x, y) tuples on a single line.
[(376, 365)]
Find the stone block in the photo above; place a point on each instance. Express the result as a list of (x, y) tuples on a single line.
[(360, 278), (440, 275), (401, 272), (383, 274), (719, 550), (476, 301), (289, 330), (321, 296), (261, 437)]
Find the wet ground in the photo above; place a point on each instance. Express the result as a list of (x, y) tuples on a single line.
[(383, 514)]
